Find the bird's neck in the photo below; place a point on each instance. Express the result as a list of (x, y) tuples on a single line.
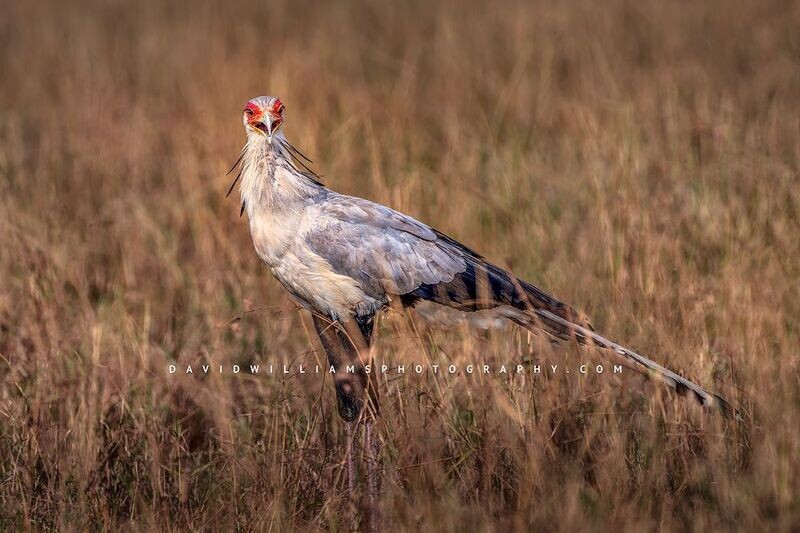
[(270, 182)]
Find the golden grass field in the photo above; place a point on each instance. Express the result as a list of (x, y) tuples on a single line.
[(638, 159)]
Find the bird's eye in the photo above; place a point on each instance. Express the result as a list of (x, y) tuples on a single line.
[(277, 108), (248, 111)]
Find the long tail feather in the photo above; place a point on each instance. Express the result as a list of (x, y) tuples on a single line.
[(485, 286), (681, 385)]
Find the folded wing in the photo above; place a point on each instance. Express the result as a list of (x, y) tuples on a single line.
[(391, 254)]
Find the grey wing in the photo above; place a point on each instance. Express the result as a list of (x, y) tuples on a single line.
[(386, 252)]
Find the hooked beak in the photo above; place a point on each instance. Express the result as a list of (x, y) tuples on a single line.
[(269, 130), (264, 126), (267, 126)]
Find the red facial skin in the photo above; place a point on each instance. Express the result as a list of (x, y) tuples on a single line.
[(276, 112), (253, 112)]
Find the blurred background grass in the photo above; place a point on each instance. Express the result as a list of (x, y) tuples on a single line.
[(637, 158)]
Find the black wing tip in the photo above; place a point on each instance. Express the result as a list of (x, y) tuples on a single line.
[(410, 299), (726, 408), (712, 401)]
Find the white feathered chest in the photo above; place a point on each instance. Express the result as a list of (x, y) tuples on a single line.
[(282, 208)]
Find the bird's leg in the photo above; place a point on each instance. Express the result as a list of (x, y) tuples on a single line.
[(349, 376), (348, 348), (350, 457), (372, 453), (349, 392), (344, 344)]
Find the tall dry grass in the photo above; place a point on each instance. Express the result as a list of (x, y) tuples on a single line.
[(638, 159)]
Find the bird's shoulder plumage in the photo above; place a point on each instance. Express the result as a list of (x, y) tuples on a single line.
[(386, 251)]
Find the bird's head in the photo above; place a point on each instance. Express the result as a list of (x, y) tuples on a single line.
[(263, 115)]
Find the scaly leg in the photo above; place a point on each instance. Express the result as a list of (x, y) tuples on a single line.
[(372, 453), (350, 463)]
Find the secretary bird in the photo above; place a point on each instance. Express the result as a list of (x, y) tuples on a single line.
[(345, 259)]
